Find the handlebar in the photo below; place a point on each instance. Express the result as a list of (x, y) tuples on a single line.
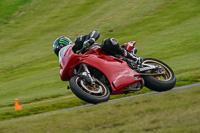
[(86, 45)]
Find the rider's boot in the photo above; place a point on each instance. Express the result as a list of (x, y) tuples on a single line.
[(137, 60)]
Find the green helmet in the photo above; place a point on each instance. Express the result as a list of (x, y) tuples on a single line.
[(60, 43)]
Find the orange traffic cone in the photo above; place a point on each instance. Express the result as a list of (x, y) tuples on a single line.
[(17, 106)]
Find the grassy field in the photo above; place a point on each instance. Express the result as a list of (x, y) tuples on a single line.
[(169, 112), (166, 30)]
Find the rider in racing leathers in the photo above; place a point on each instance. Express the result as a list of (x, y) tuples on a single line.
[(109, 45)]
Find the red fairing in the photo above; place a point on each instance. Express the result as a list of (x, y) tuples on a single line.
[(129, 46), (68, 63), (117, 71)]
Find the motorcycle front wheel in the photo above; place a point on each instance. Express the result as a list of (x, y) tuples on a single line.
[(161, 79), (90, 93)]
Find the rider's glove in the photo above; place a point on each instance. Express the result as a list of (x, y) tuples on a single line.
[(88, 43)]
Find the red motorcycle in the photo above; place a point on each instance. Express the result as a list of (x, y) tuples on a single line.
[(94, 75)]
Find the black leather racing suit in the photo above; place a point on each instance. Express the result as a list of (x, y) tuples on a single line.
[(109, 45)]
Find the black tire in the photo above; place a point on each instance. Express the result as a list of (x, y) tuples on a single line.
[(78, 88), (157, 84)]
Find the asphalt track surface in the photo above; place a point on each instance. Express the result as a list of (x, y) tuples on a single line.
[(150, 93)]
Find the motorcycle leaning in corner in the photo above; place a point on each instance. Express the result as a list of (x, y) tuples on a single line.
[(94, 75)]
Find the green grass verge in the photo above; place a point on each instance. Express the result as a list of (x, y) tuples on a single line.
[(47, 104), (9, 8), (173, 111)]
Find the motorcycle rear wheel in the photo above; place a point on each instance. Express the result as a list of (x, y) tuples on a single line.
[(91, 94), (158, 82)]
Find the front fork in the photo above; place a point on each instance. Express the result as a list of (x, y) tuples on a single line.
[(88, 74), (85, 74)]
